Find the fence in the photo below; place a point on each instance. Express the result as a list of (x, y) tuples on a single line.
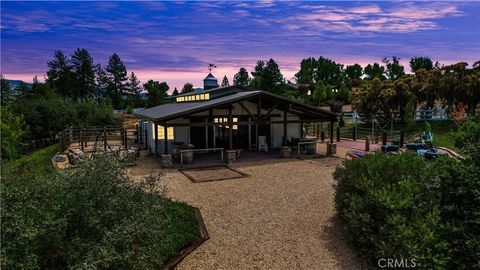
[(91, 139), (436, 114)]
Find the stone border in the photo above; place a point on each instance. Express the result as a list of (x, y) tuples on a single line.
[(194, 180), (190, 248)]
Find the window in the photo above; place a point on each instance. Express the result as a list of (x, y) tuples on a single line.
[(161, 133), (225, 120), (180, 99), (207, 96)]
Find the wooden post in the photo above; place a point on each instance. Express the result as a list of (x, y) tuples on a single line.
[(125, 138), (82, 135), (338, 134), (145, 129), (206, 132), (402, 138), (105, 139), (85, 137), (331, 131), (317, 130), (301, 130), (155, 126), (367, 144), (285, 128), (230, 130), (354, 133), (384, 137), (322, 136), (165, 135), (249, 134)]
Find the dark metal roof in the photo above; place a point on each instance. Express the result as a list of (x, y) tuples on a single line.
[(171, 111)]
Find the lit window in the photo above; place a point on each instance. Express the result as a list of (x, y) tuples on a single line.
[(161, 132), (207, 96), (309, 92), (180, 99)]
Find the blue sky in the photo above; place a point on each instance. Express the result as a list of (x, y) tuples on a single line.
[(175, 41)]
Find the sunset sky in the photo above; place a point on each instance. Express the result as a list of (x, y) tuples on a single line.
[(175, 41)]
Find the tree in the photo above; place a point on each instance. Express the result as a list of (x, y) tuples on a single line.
[(41, 90), (83, 70), (241, 78), (116, 74), (417, 63), (7, 95), (394, 69), (175, 92), (268, 77), (319, 94), (133, 91), (157, 92), (59, 74), (374, 71), (354, 75), (308, 70), (328, 71), (13, 131), (187, 88), (225, 82)]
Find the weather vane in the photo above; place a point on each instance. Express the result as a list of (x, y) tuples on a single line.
[(210, 67)]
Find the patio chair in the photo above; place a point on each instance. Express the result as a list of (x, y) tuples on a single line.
[(262, 143)]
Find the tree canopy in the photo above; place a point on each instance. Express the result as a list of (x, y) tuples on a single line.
[(241, 78)]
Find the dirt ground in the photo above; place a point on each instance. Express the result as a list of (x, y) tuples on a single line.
[(281, 216)]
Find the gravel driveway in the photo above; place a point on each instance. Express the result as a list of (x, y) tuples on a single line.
[(280, 217)]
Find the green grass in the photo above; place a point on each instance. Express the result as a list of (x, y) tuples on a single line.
[(39, 161), (443, 131)]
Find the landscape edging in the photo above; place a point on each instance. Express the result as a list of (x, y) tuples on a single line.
[(190, 248)]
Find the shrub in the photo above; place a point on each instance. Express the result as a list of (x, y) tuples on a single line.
[(405, 207), (91, 217)]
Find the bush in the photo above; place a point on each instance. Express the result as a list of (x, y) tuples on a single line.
[(405, 207), (91, 217)]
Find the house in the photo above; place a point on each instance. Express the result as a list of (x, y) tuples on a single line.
[(232, 117)]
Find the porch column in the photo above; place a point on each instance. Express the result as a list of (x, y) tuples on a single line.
[(301, 129), (206, 132), (155, 126), (259, 113), (285, 128), (331, 131), (249, 134), (165, 134), (230, 130)]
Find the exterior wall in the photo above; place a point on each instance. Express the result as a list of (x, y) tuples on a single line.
[(293, 129), (181, 134)]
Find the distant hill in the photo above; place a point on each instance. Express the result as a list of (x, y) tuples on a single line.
[(15, 83)]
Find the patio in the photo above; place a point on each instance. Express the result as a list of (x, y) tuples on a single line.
[(281, 216)]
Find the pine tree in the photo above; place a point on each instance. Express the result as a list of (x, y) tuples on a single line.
[(241, 78), (83, 70), (175, 92), (59, 74), (133, 85), (225, 82), (7, 94), (116, 80)]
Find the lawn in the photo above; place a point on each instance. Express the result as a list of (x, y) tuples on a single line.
[(93, 216)]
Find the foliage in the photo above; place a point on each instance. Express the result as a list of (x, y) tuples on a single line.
[(116, 76), (394, 69), (175, 92), (187, 88), (46, 117), (325, 70), (417, 63), (7, 95), (268, 77), (374, 71), (320, 94), (341, 121), (241, 78), (405, 207), (13, 131), (91, 217), (60, 76), (83, 71), (225, 82), (157, 92)]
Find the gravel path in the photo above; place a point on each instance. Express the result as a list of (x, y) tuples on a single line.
[(280, 217)]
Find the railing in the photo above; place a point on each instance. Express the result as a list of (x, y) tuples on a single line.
[(437, 114), (206, 150), (304, 143)]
